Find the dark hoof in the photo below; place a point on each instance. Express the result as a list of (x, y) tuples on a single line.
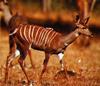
[(29, 83), (23, 82), (71, 73)]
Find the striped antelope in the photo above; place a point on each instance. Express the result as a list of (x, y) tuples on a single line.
[(51, 42)]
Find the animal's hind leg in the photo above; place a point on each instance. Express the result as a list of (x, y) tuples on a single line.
[(47, 55), (21, 59), (8, 62), (10, 56), (6, 71)]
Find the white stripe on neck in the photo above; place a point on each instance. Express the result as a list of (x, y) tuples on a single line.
[(13, 32)]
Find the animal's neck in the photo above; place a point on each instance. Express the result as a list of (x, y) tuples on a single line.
[(7, 15), (68, 39)]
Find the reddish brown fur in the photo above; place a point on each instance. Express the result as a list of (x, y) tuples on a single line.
[(55, 46)]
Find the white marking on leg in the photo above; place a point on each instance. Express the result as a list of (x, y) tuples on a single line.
[(13, 56), (60, 56), (62, 66), (17, 53)]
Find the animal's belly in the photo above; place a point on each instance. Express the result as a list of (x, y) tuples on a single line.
[(47, 49)]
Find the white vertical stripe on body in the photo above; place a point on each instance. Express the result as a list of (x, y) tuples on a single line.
[(25, 33), (39, 37), (47, 37), (32, 33), (41, 40), (37, 32), (20, 32), (44, 37), (52, 37), (30, 39)]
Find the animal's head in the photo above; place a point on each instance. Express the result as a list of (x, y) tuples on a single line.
[(81, 26), (4, 1), (5, 11), (3, 4)]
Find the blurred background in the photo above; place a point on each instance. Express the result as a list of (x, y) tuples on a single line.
[(82, 56), (49, 12)]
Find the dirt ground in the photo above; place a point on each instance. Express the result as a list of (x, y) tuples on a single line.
[(84, 61)]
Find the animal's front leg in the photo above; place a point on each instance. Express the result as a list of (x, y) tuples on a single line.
[(62, 71), (60, 56), (30, 56)]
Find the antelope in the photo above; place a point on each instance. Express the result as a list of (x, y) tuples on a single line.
[(51, 42), (12, 21)]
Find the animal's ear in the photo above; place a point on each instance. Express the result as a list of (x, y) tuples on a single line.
[(86, 20), (77, 19)]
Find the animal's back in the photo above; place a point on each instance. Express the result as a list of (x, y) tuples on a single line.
[(38, 37)]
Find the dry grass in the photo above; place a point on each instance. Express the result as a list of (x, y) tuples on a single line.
[(85, 61)]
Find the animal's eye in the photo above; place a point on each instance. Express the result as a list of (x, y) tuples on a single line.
[(76, 26)]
